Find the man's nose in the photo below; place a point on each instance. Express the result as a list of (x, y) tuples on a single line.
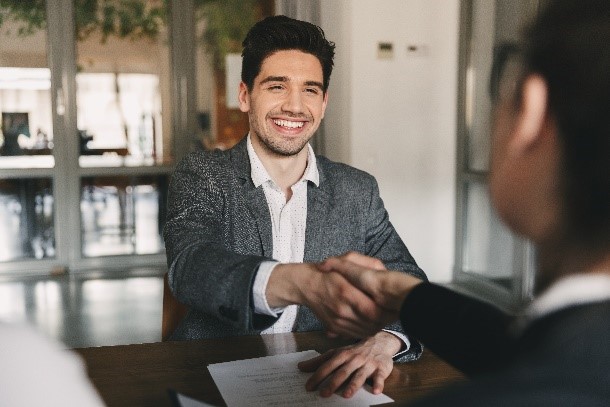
[(293, 102)]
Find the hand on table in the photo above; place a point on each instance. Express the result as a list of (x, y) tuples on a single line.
[(349, 367)]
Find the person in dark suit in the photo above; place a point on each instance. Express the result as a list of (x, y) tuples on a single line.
[(246, 227), (550, 182)]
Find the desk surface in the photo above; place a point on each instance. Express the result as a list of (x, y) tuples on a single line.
[(139, 375)]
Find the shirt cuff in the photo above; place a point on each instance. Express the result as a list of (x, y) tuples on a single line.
[(403, 338), (260, 288)]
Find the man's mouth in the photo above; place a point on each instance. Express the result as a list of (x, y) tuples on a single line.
[(288, 124)]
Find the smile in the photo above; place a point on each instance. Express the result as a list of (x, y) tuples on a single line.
[(288, 124)]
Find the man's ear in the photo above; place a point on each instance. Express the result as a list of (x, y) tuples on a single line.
[(532, 113), (244, 97)]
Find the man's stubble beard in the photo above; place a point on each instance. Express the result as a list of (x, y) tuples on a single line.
[(276, 147)]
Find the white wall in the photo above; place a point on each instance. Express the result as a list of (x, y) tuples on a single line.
[(396, 118)]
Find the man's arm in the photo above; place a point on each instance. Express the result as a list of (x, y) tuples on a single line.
[(203, 272), (384, 244), (470, 334)]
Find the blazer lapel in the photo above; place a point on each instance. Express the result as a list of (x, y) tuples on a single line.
[(257, 203), (318, 207), (254, 197)]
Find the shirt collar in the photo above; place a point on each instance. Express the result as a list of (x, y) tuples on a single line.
[(259, 174), (569, 291)]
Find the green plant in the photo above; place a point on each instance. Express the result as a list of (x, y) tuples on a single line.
[(226, 21), (120, 18), (226, 24)]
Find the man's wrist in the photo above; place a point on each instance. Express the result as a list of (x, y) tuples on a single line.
[(285, 283), (391, 344)]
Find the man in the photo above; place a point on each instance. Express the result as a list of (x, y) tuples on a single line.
[(246, 227), (550, 182)]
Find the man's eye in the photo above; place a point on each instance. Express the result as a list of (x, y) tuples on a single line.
[(275, 87), (313, 91)]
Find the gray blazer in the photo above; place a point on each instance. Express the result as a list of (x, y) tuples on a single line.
[(218, 231)]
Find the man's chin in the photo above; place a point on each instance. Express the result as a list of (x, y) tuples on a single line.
[(286, 149)]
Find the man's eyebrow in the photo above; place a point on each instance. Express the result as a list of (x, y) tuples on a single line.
[(314, 83), (274, 79)]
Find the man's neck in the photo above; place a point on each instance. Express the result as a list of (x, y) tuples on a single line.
[(285, 171), (557, 262)]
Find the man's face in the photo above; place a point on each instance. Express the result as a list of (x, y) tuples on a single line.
[(505, 180), (286, 103)]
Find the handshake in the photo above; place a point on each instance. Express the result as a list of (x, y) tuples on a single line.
[(353, 295)]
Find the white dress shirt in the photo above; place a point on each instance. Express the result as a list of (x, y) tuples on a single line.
[(572, 290), (288, 222)]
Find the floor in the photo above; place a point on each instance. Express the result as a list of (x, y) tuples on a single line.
[(93, 309)]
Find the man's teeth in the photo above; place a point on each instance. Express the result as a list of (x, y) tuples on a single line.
[(289, 124)]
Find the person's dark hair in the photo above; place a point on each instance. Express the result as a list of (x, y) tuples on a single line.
[(278, 33), (569, 46)]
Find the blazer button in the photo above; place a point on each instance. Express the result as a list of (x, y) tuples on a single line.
[(229, 313)]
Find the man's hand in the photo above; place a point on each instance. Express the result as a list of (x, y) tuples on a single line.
[(343, 309), (350, 366), (387, 288)]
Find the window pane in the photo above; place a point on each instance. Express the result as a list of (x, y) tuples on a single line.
[(26, 219), (122, 215), (493, 22), (488, 244), (123, 83), (26, 136)]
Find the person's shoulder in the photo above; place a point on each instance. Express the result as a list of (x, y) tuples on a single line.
[(344, 173), (204, 159), (214, 166)]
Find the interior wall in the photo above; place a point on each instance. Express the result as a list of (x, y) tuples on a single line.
[(394, 116)]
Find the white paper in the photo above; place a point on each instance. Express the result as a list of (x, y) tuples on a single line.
[(277, 381), (185, 401)]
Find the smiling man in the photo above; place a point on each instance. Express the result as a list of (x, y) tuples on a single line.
[(246, 227)]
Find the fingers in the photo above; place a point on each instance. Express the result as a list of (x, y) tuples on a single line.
[(343, 309), (345, 371), (364, 261), (362, 277), (379, 381), (312, 364)]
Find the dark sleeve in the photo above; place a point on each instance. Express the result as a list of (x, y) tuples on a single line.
[(204, 273), (469, 334), (384, 243)]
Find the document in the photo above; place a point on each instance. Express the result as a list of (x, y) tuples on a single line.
[(277, 381), (180, 400)]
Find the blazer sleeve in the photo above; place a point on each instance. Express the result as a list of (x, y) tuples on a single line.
[(204, 273), (469, 334), (383, 242)]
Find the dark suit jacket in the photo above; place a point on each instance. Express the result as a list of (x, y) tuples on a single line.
[(218, 231), (561, 359)]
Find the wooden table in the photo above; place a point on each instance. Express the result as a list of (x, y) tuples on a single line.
[(139, 375)]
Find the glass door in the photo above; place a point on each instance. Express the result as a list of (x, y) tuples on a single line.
[(98, 100), (27, 164), (85, 139)]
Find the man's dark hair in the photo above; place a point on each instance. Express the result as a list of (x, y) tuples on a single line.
[(279, 33), (569, 46)]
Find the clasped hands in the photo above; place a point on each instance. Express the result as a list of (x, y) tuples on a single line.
[(354, 296), (363, 296)]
